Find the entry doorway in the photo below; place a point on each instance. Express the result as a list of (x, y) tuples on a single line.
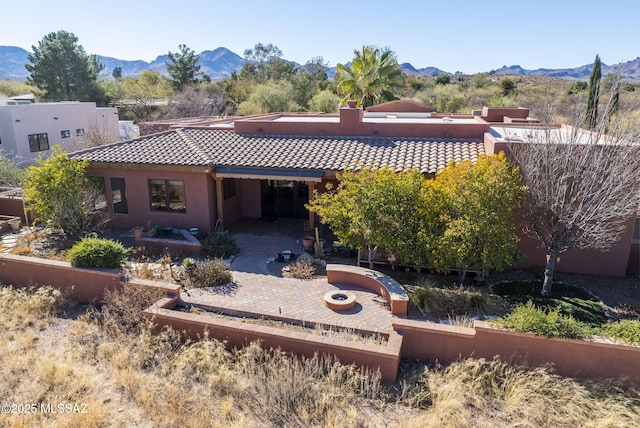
[(284, 199)]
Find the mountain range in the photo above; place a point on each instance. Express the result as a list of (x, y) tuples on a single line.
[(221, 62)]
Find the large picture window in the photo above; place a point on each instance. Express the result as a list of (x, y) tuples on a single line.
[(38, 142), (167, 195)]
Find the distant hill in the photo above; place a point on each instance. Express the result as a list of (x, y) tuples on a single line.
[(217, 64), (221, 62), (410, 70), (12, 61), (630, 71)]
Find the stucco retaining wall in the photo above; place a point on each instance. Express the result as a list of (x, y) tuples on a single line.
[(238, 334), (570, 357), (410, 339), (87, 285)]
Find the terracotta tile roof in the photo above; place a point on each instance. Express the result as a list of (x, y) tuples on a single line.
[(165, 148), (225, 148)]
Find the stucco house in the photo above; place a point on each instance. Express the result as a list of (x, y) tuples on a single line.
[(28, 129), (199, 172)]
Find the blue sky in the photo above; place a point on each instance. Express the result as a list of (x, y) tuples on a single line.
[(467, 36)]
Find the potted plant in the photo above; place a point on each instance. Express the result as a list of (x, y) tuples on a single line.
[(137, 232), (308, 242), (15, 223)]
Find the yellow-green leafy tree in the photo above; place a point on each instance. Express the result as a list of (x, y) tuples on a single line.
[(57, 189), (373, 208), (468, 213)]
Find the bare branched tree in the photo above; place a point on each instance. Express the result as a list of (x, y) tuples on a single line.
[(582, 186), (97, 135), (193, 102)]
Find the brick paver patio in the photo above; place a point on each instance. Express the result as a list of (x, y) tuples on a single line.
[(257, 290)]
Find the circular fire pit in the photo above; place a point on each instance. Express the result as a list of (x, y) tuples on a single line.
[(340, 300)]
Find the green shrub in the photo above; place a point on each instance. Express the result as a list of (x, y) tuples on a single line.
[(625, 330), (98, 252), (208, 274), (549, 323), (217, 245)]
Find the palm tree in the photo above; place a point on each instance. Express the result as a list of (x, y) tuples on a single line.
[(370, 78)]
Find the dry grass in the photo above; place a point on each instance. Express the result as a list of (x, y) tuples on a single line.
[(109, 360), (479, 393)]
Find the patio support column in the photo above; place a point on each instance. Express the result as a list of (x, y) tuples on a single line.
[(312, 215), (220, 199)]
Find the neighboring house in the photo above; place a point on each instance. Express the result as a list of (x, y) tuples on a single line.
[(199, 172), (28, 129)]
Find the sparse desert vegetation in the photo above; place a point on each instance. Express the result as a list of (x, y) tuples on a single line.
[(54, 351)]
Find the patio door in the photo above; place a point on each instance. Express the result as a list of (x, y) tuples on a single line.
[(284, 199)]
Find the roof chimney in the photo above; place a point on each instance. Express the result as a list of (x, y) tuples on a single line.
[(350, 116)]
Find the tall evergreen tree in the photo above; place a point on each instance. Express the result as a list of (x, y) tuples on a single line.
[(183, 67), (591, 113), (63, 70)]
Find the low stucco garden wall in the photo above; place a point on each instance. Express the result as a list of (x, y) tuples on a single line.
[(411, 339), (570, 357), (238, 334), (86, 285)]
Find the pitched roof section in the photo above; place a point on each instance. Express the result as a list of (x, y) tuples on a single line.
[(225, 148), (165, 148)]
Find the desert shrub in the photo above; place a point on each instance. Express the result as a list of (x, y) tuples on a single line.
[(122, 310), (426, 296), (625, 330), (143, 271), (217, 245), (98, 252), (306, 258), (208, 274), (549, 323), (460, 320), (29, 304), (301, 269), (444, 302)]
